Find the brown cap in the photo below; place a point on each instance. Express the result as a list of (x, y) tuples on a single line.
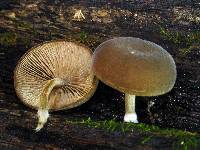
[(134, 66), (63, 60)]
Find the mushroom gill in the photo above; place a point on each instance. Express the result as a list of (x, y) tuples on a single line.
[(55, 75)]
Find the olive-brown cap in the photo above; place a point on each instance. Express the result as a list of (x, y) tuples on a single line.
[(134, 66), (59, 59)]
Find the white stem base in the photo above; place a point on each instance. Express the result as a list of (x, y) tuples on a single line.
[(43, 115), (131, 117), (130, 114)]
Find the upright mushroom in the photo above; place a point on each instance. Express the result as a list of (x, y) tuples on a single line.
[(53, 76), (135, 67)]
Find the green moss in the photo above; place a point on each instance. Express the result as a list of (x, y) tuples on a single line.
[(186, 51), (23, 25), (181, 38), (25, 41), (186, 143), (146, 139), (83, 37), (8, 38), (186, 42), (35, 34), (185, 140)]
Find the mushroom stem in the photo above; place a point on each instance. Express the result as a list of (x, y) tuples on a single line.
[(43, 113), (130, 114)]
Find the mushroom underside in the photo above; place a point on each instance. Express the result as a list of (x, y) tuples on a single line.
[(55, 75)]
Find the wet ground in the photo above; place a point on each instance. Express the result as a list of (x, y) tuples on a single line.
[(175, 25)]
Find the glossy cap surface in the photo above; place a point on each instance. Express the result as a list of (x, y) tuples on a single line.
[(134, 66)]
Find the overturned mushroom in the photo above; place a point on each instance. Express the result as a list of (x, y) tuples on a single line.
[(135, 67), (53, 76)]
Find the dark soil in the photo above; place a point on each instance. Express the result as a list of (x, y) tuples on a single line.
[(24, 24)]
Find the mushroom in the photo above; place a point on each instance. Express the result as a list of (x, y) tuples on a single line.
[(136, 67), (53, 76)]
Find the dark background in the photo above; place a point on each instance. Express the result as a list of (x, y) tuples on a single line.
[(172, 24)]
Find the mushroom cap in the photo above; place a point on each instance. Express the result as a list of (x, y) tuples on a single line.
[(134, 66), (56, 59)]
